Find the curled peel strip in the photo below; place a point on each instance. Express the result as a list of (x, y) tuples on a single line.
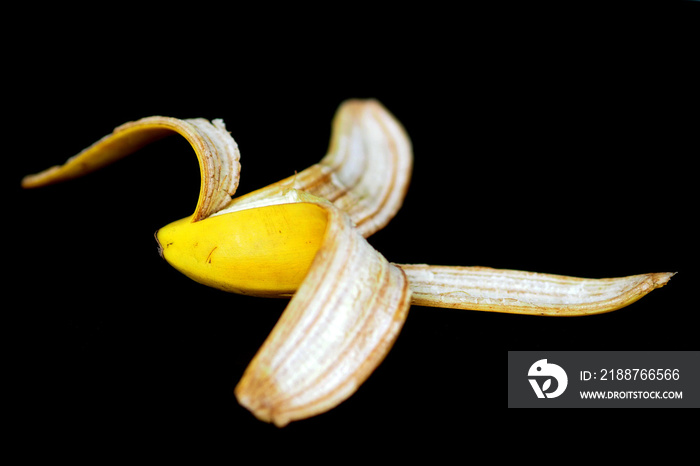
[(365, 173), (304, 237), (216, 151)]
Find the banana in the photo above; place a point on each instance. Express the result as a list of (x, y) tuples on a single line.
[(304, 238)]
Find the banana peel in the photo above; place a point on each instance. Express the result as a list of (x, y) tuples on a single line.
[(304, 238)]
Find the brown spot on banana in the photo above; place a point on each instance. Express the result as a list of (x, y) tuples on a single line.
[(210, 253)]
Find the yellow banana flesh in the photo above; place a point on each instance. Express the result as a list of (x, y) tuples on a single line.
[(304, 237), (264, 252)]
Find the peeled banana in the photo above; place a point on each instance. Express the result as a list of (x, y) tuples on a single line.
[(304, 238)]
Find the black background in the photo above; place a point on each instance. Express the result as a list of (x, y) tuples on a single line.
[(556, 141)]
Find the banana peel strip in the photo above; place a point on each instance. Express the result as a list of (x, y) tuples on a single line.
[(519, 292), (216, 151), (365, 173), (336, 330)]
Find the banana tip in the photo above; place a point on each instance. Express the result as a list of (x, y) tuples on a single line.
[(160, 248), (28, 182), (660, 279)]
